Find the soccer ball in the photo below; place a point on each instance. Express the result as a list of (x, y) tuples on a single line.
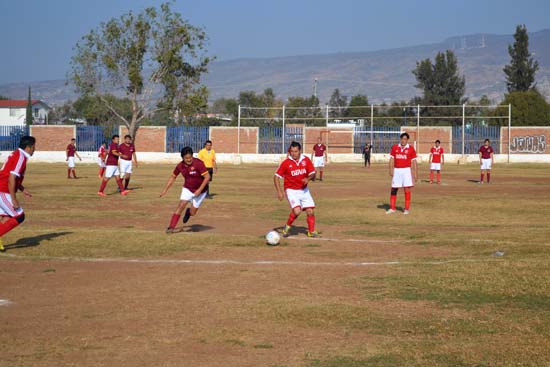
[(272, 238)]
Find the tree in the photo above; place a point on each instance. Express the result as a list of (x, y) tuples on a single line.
[(28, 115), (528, 109), (358, 107), (154, 59), (338, 102), (3, 98), (304, 110), (440, 81), (520, 73)]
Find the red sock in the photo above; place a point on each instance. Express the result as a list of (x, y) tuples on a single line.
[(126, 182), (74, 172), (8, 226), (103, 185), (482, 175), (68, 173), (431, 176), (407, 200), (174, 221), (321, 175), (311, 223), (119, 183), (291, 218), (393, 200), (488, 177), (438, 177)]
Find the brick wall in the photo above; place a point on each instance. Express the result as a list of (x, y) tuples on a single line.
[(53, 138), (336, 142), (224, 139), (525, 140), (149, 138), (427, 137)]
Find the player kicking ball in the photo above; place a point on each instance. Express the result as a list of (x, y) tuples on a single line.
[(403, 171), (296, 171), (195, 186)]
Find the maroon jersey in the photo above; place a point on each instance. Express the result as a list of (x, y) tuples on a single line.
[(128, 150), (402, 156), (293, 172), (112, 160), (15, 164), (486, 151), (193, 174), (71, 149), (319, 149), (437, 152)]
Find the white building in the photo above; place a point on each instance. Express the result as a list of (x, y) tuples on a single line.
[(14, 112)]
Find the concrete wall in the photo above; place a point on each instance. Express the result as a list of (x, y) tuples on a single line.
[(525, 140), (149, 138), (337, 140), (52, 137), (225, 139), (423, 139)]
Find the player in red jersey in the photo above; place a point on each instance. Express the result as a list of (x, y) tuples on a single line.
[(486, 153), (297, 171), (11, 181), (128, 153), (319, 157), (71, 153), (101, 155), (195, 186), (436, 160), (111, 168), (404, 172)]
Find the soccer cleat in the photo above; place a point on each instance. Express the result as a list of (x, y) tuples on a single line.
[(187, 215), (2, 249), (431, 182), (124, 192), (286, 230), (313, 234), (390, 211), (169, 230), (481, 182), (406, 212), (101, 193)]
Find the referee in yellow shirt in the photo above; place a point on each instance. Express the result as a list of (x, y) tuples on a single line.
[(208, 156)]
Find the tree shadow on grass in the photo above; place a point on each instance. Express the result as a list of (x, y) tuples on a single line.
[(35, 240)]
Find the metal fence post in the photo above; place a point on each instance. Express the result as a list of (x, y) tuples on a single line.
[(509, 129), (371, 125), (418, 128), (239, 131), (463, 125), (284, 132)]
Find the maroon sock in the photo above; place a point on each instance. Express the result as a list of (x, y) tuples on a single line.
[(488, 177), (291, 218), (126, 182), (8, 226), (311, 223), (68, 173), (482, 175), (103, 185), (119, 183), (74, 173), (174, 221), (321, 175)]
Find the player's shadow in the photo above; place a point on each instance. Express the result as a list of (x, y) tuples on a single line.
[(474, 181), (385, 207), (35, 240), (193, 228), (294, 230)]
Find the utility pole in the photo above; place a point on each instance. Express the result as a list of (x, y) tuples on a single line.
[(315, 88)]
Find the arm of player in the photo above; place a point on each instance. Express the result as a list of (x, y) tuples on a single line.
[(492, 160), (430, 159), (326, 157), (277, 183), (12, 187), (67, 154), (76, 153), (391, 166), (414, 169), (442, 158), (135, 158), (203, 185), (480, 158), (168, 185)]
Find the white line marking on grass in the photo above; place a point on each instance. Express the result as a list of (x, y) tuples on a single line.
[(5, 302)]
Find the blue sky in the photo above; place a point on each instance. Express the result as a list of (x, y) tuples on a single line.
[(38, 35)]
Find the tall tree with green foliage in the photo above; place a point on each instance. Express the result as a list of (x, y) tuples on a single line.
[(358, 107), (520, 73), (440, 81), (154, 58), (28, 115), (337, 104)]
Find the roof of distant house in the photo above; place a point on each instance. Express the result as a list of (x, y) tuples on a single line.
[(17, 103)]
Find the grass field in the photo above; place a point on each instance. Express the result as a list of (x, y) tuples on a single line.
[(90, 281)]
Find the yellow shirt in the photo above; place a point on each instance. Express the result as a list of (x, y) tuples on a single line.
[(208, 157)]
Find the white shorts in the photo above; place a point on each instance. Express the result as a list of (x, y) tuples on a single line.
[(100, 162), (402, 177), (187, 195), (111, 171), (486, 164), (70, 161), (300, 198), (435, 166), (125, 166), (6, 206), (318, 161)]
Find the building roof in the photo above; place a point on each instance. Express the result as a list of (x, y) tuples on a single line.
[(17, 103)]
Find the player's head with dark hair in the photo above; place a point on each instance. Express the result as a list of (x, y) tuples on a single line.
[(27, 143), (187, 155), (104, 143), (128, 139), (404, 135), (127, 136), (115, 138), (404, 138), (295, 144), (295, 150), (73, 139), (208, 144), (437, 141), (486, 141)]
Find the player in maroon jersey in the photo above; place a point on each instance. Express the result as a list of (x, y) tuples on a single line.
[(111, 168), (128, 154), (11, 181), (436, 160), (71, 153), (297, 171), (319, 157), (195, 186), (403, 171), (486, 153)]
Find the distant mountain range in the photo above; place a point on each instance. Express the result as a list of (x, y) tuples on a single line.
[(385, 75)]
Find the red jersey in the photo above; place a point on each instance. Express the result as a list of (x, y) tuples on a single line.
[(15, 164), (319, 149), (193, 174), (486, 151), (101, 152), (127, 150), (437, 153), (402, 156), (112, 160), (293, 172), (71, 149)]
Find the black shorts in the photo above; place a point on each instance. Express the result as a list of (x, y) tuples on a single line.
[(211, 171)]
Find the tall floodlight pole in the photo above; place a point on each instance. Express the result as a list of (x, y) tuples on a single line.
[(315, 87)]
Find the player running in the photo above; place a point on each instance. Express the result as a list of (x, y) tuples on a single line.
[(297, 171), (127, 154), (71, 153), (486, 153), (101, 155), (404, 172), (11, 181), (111, 168), (319, 157), (195, 185), (436, 160), (208, 156)]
